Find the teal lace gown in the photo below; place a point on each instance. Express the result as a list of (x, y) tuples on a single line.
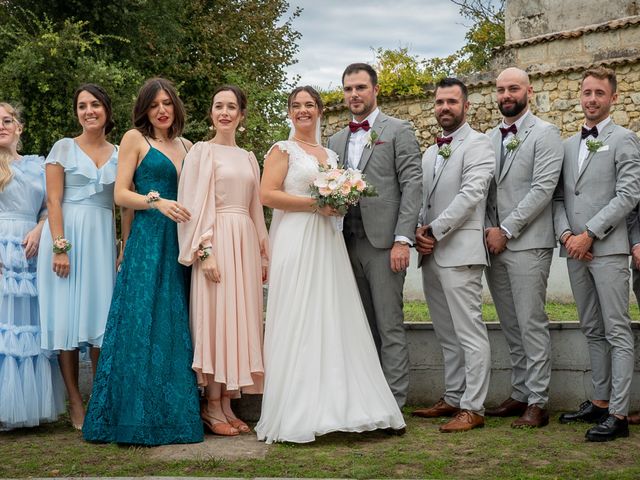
[(145, 391)]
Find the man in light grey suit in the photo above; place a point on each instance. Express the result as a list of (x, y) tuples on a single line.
[(600, 186), (380, 231), (520, 239), (452, 254)]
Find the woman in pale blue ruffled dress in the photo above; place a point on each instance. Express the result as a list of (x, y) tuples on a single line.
[(31, 390), (77, 261)]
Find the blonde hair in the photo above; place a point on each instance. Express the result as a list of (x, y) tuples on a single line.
[(6, 156)]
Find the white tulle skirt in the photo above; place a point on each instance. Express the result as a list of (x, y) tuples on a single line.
[(322, 372)]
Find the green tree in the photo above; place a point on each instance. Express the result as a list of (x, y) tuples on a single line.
[(43, 67), (198, 44)]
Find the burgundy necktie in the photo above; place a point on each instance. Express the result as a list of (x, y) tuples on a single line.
[(505, 131), (355, 126), (443, 140), (593, 131)]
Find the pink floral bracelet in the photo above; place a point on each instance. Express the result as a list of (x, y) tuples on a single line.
[(61, 245)]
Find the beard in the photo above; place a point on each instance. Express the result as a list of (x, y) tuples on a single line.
[(451, 122), (515, 109)]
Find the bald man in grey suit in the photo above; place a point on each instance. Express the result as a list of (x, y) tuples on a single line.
[(457, 172), (520, 238), (599, 188)]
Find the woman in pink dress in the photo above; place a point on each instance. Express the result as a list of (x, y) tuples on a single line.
[(226, 243)]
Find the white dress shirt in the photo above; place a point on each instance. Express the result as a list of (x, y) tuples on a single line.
[(358, 140), (583, 153), (439, 158)]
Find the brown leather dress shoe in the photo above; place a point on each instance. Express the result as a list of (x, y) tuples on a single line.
[(533, 416), (634, 418), (463, 421), (440, 409), (508, 408)]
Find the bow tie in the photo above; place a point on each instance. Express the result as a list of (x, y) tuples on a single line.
[(442, 140), (355, 126), (593, 131), (505, 131)]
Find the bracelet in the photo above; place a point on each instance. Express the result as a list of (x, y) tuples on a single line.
[(203, 253), (152, 197), (61, 245)]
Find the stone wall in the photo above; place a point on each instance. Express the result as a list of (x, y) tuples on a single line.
[(533, 18), (556, 100)]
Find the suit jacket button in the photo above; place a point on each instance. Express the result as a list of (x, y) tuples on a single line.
[(577, 193), (429, 206)]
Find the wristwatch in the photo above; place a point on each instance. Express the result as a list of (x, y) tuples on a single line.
[(402, 242), (591, 235)]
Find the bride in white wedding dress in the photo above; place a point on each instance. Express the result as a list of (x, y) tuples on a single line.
[(322, 372)]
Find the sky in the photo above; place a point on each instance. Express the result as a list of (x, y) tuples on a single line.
[(336, 33)]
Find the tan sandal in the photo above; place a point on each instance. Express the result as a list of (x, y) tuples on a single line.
[(239, 425), (218, 427)]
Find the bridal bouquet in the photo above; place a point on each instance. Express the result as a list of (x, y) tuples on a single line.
[(340, 188)]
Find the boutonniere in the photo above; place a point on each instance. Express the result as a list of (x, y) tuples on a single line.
[(594, 145), (445, 151), (371, 138), (513, 144)]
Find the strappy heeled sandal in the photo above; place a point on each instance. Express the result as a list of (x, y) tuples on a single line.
[(238, 425), (218, 427)]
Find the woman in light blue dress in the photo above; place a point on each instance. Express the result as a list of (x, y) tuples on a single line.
[(77, 261), (31, 389)]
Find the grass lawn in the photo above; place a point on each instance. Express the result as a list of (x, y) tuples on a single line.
[(416, 311), (495, 452)]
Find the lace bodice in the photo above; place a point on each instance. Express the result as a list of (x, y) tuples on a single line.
[(303, 167)]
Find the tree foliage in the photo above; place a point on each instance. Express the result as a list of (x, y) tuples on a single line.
[(48, 47)]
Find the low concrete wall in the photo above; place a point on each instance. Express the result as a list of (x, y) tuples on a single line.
[(570, 379)]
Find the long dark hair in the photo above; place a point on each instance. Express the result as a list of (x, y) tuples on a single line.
[(146, 96)]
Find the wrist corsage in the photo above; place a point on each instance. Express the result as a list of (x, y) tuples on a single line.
[(152, 197), (61, 245), (203, 253)]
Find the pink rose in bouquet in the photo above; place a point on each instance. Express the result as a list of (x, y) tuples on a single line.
[(340, 188)]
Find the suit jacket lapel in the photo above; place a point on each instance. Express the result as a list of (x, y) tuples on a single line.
[(496, 140), (341, 146), (377, 127), (454, 146), (528, 125), (604, 136)]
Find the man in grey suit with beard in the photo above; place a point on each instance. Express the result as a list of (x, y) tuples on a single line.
[(520, 239), (450, 240), (380, 230), (599, 188)]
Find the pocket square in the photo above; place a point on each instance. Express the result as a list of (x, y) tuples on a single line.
[(379, 142), (604, 148)]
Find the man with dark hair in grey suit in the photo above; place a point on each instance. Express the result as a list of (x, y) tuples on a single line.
[(521, 241), (457, 171), (600, 186), (380, 230)]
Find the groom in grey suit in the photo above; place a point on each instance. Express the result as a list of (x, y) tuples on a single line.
[(452, 254), (380, 230), (521, 240), (600, 186)]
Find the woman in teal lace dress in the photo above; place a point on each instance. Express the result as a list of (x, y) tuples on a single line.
[(144, 391)]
